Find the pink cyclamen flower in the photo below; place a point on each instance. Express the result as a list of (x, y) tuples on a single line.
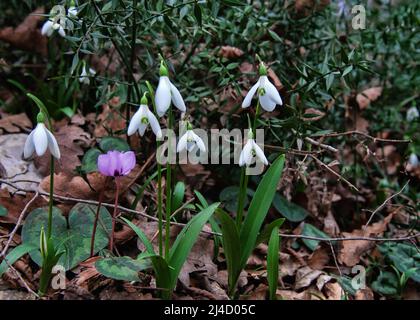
[(116, 163)]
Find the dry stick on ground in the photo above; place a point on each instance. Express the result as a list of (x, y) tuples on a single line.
[(335, 258), (321, 145), (143, 214), (9, 241), (355, 132), (340, 177), (383, 204), (12, 234)]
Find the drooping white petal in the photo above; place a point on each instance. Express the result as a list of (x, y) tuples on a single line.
[(182, 143), (47, 28), (142, 128), (61, 31), (177, 98), (267, 103), (53, 145), (72, 12), (246, 154), (248, 98), (198, 141), (260, 154), (135, 122), (40, 139), (272, 92), (413, 160), (29, 147), (154, 123), (163, 96)]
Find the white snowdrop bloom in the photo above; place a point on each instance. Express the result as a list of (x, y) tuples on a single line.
[(268, 95), (413, 160), (86, 74), (251, 150), (141, 119), (189, 140), (412, 114), (49, 26), (72, 12), (39, 140), (167, 92)]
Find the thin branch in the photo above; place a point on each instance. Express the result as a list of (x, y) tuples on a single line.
[(285, 235), (12, 234), (355, 132), (384, 203), (321, 145), (340, 177)]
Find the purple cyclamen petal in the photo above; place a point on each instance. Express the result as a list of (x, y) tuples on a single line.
[(103, 164), (128, 161), (116, 163)]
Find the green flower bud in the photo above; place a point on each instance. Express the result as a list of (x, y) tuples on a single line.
[(40, 118), (189, 126), (250, 134), (43, 247), (163, 71), (263, 69), (144, 99)]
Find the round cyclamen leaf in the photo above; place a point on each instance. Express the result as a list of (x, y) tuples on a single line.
[(113, 143), (75, 239), (3, 211), (90, 160), (122, 268), (289, 210)]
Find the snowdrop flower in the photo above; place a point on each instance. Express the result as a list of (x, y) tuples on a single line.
[(268, 95), (189, 140), (49, 26), (412, 114), (141, 120), (41, 139), (86, 74), (413, 160), (167, 92), (251, 150), (72, 10), (116, 163)]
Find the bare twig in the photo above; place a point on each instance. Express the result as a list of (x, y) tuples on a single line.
[(355, 132), (321, 145), (335, 258), (384, 203), (21, 278), (340, 177), (12, 234), (285, 235)]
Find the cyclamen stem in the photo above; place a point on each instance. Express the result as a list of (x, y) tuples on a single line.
[(50, 204), (114, 215), (168, 188), (95, 223)]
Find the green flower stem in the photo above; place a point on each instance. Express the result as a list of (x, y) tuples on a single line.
[(159, 169), (243, 184), (50, 204), (168, 187)]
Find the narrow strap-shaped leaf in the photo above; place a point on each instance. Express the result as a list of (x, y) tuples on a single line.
[(141, 235), (186, 239), (259, 207), (231, 247), (273, 262), (266, 232), (14, 255)]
